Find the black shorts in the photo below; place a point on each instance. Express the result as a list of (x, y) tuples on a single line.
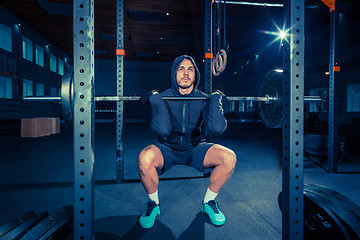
[(193, 157)]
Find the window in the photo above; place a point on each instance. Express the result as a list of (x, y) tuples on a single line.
[(61, 67), (27, 88), (5, 87), (40, 89), (6, 38), (53, 91), (28, 49), (353, 98), (39, 55), (53, 66)]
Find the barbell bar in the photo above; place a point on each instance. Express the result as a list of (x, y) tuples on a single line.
[(269, 100), (265, 99)]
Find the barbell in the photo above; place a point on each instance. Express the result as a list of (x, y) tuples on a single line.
[(269, 99)]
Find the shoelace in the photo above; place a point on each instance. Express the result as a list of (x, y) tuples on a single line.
[(150, 206), (214, 206)]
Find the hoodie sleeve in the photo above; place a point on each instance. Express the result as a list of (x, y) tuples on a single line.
[(214, 119), (160, 122)]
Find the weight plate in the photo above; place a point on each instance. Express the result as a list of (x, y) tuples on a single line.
[(344, 211), (271, 113), (340, 198), (67, 94), (319, 222)]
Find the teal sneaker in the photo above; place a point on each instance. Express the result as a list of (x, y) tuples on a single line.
[(212, 210), (147, 220)]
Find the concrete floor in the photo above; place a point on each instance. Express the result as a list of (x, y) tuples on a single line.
[(37, 174)]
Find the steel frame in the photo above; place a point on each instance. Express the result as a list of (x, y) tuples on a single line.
[(208, 47), (293, 115), (332, 128), (120, 93), (84, 111), (293, 121)]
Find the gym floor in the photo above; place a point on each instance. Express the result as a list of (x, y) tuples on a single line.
[(37, 175)]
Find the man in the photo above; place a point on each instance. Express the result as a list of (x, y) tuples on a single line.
[(182, 127)]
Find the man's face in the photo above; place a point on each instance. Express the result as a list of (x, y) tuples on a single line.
[(185, 75)]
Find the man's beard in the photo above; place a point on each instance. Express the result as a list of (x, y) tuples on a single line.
[(186, 87)]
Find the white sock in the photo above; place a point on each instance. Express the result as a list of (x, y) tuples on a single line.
[(154, 196), (210, 195)]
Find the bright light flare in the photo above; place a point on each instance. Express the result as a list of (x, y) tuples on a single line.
[(282, 34)]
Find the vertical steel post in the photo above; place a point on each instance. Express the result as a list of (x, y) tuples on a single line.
[(293, 121), (120, 53), (332, 129), (208, 46), (84, 110)]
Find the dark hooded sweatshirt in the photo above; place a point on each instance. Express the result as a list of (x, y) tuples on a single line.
[(181, 125)]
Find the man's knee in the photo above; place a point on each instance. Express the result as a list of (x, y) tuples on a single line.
[(228, 159), (220, 155), (146, 159)]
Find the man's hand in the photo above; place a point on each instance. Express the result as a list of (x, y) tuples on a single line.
[(145, 98), (219, 92)]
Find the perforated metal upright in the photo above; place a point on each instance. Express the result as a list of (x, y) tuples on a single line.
[(120, 53), (208, 46), (84, 110), (293, 121), (332, 129)]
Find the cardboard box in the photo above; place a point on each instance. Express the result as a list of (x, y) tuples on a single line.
[(54, 125), (35, 127)]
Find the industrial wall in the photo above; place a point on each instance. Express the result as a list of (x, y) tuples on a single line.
[(15, 69)]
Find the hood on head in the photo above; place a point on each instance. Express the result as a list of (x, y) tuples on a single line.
[(175, 66)]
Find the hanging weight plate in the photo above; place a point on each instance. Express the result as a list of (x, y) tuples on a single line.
[(271, 113), (67, 93)]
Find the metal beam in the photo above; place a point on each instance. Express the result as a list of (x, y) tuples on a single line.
[(208, 46), (253, 3), (293, 121), (332, 129), (84, 112), (120, 53)]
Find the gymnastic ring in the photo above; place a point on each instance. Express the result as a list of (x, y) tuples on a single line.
[(219, 62)]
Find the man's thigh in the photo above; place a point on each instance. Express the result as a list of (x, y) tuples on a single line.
[(198, 156), (216, 154)]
